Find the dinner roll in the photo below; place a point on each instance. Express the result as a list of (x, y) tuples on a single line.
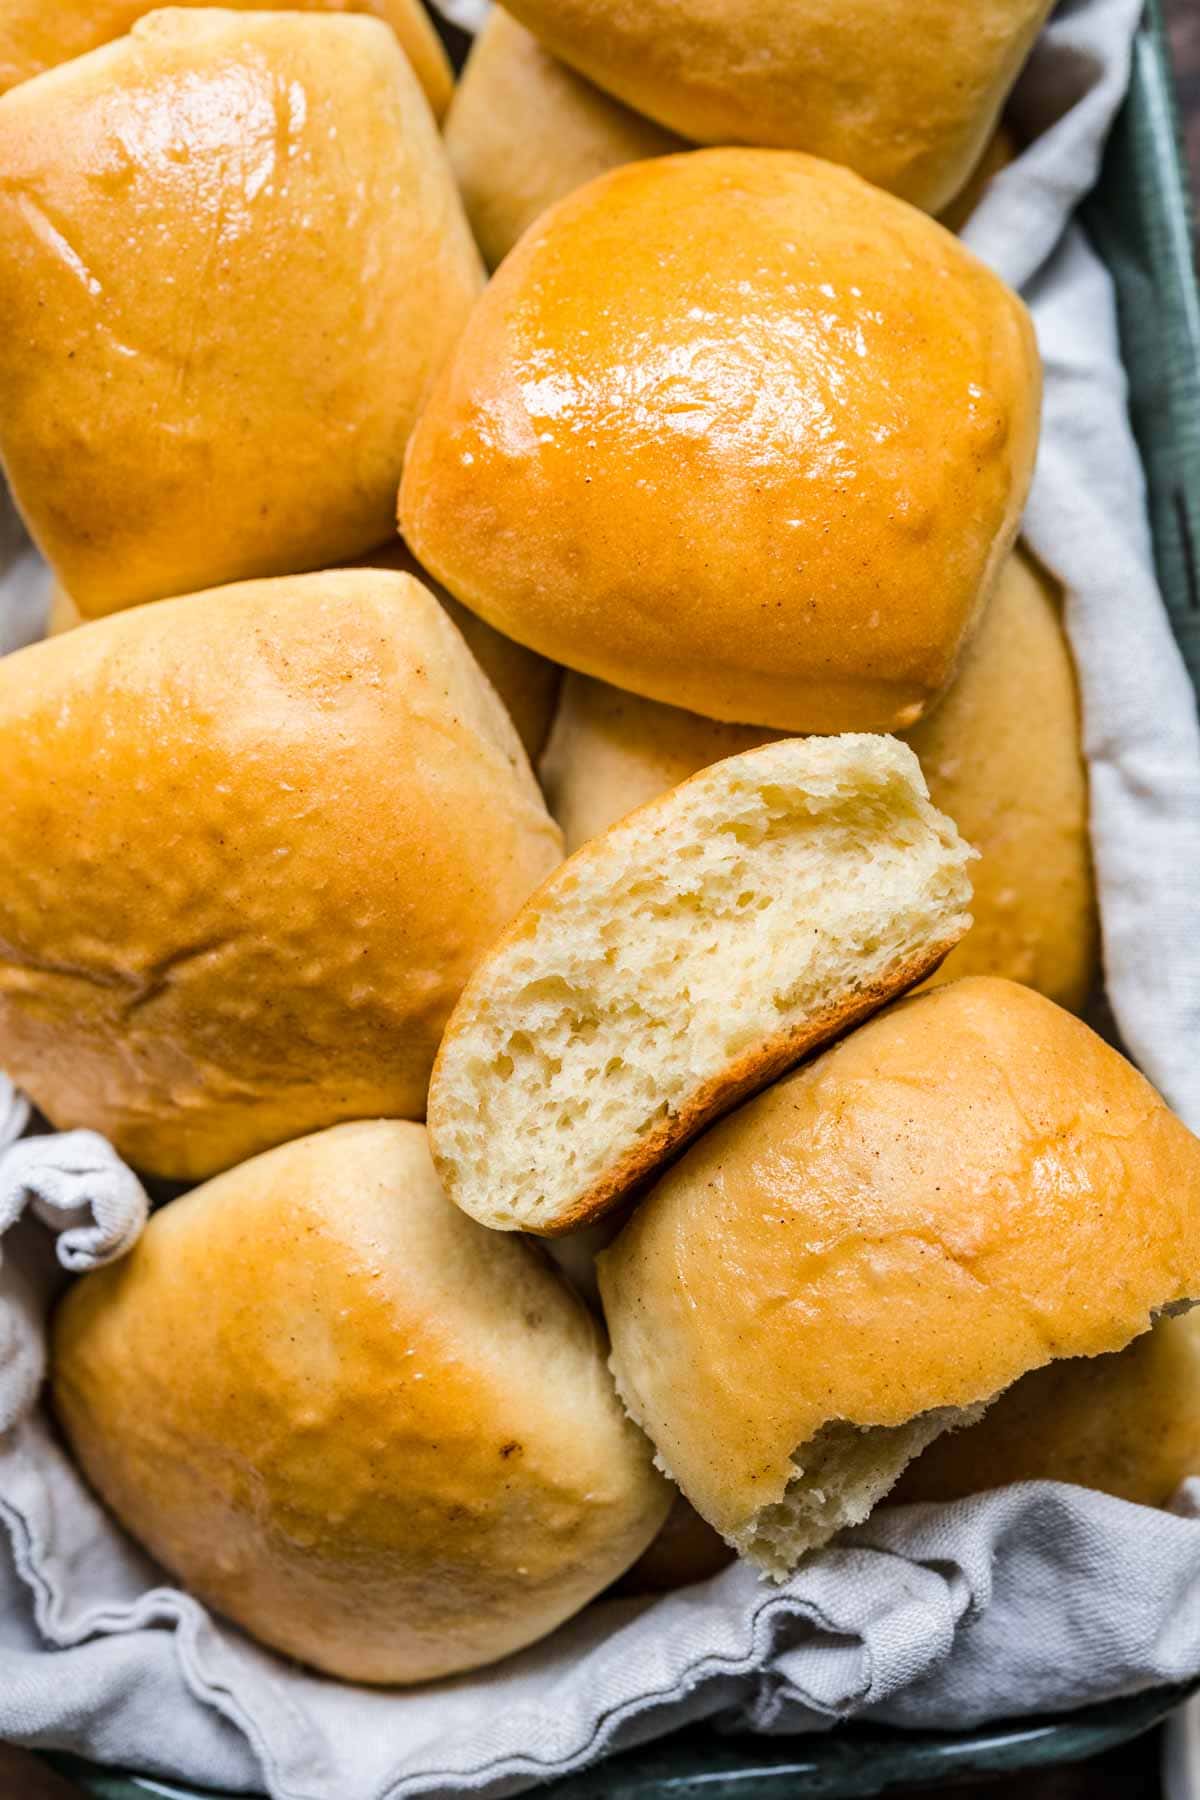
[(733, 431), (1126, 1424), (35, 35), (255, 841), (1001, 755), (378, 1437), (526, 682), (681, 961), (231, 260), (524, 130), (905, 92), (970, 1185)]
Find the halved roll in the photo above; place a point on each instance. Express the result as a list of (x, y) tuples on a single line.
[(1126, 1424), (967, 1187), (1001, 753), (380, 1438), (681, 961), (255, 841)]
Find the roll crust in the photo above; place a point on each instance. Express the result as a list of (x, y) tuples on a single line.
[(232, 258), (377, 1436), (1126, 1424), (771, 479), (967, 1187), (255, 842), (525, 130), (36, 36), (905, 92)]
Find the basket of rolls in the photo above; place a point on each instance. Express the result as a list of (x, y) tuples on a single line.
[(598, 935)]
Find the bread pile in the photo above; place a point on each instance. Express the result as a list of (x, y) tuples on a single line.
[(708, 505)]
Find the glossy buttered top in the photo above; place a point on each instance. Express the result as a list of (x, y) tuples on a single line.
[(231, 260), (736, 431)]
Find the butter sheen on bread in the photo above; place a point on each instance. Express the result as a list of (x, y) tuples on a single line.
[(736, 432), (232, 258)]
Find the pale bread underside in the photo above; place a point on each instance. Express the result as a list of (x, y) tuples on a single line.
[(682, 960), (843, 1472), (841, 1475)]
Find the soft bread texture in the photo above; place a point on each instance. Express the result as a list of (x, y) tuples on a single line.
[(965, 1188), (525, 130), (380, 1438), (527, 683), (1001, 754), (681, 961), (255, 842), (232, 259), (36, 35), (734, 431), (1126, 1424), (905, 92)]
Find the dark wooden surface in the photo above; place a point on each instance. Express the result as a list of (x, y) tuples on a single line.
[(1127, 1774)]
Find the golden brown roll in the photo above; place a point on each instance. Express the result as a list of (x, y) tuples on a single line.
[(1001, 755), (36, 35), (232, 258), (904, 92), (524, 130), (680, 962), (255, 842), (1126, 1424), (675, 482), (967, 1187), (526, 682), (379, 1437)]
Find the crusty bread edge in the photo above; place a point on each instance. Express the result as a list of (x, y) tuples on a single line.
[(756, 1068)]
